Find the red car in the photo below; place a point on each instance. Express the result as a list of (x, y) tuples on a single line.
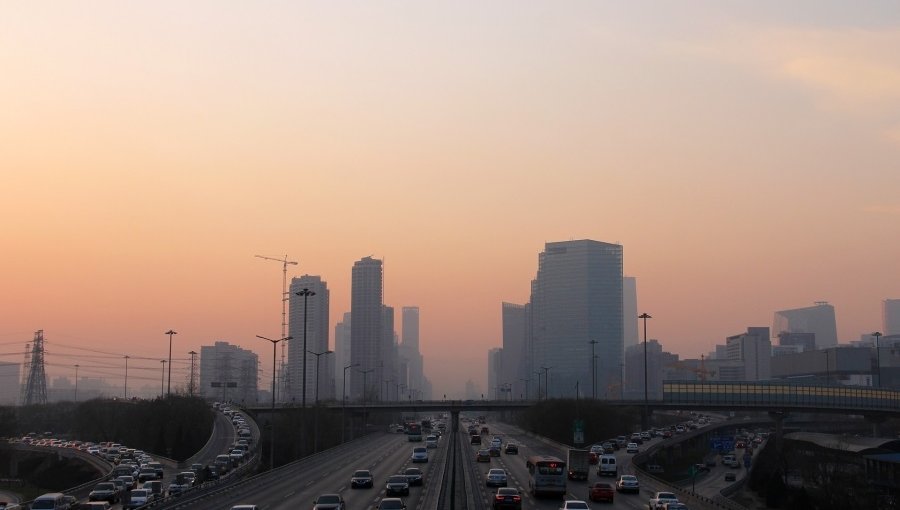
[(602, 492), (592, 458)]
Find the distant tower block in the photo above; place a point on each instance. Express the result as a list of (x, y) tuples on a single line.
[(36, 380)]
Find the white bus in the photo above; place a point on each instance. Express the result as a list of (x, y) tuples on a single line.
[(546, 475)]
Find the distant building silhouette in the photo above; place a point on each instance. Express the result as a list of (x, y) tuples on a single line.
[(630, 311), (342, 354), (798, 341), (515, 351), (229, 373), (410, 364), (494, 369), (890, 316), (818, 319), (10, 383), (754, 350)]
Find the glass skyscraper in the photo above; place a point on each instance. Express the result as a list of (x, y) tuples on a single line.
[(576, 298)]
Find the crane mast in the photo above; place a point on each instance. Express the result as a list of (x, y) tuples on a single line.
[(284, 299)]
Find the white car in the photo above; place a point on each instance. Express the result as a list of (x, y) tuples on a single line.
[(631, 448), (419, 454), (138, 497), (574, 504), (431, 441)]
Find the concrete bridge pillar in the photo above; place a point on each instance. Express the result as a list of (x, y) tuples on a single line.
[(778, 417), (454, 421)]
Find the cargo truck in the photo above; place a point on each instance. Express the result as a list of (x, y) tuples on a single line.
[(579, 464)]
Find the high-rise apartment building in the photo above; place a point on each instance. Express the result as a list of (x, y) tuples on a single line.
[(576, 298), (818, 319), (495, 389), (411, 369), (342, 354), (229, 373), (515, 350), (630, 311), (317, 329), (387, 364), (366, 331), (890, 316)]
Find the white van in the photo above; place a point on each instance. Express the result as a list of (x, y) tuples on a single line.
[(606, 466), (50, 501)]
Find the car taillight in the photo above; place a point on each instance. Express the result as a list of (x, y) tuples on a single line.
[(498, 497), (516, 498)]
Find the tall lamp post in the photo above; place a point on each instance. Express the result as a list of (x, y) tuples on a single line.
[(365, 374), (646, 417), (170, 333), (271, 422), (539, 392), (191, 383), (162, 380), (274, 354), (526, 381), (126, 377), (344, 399), (877, 336), (76, 382), (318, 355), (546, 381), (593, 370), (305, 293)]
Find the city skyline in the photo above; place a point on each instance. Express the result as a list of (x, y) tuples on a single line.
[(744, 157)]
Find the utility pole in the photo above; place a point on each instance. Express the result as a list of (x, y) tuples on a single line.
[(170, 333), (284, 299), (126, 376), (593, 370)]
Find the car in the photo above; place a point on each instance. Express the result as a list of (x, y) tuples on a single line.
[(574, 504), (244, 507), (128, 481), (601, 491), (120, 486), (391, 504), (104, 491), (476, 439), (628, 483), (675, 506), (329, 502), (632, 448), (176, 488), (636, 438), (494, 451), (660, 499), (95, 505), (511, 448), (362, 478), (495, 477), (197, 467), (507, 498), (645, 436), (396, 485), (483, 455), (730, 477), (138, 497), (413, 476), (155, 487), (419, 454)]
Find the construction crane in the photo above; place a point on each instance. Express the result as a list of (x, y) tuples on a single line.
[(284, 299), (701, 371)]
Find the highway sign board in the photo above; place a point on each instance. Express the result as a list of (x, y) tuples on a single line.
[(722, 444)]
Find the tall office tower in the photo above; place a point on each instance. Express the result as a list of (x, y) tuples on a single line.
[(576, 297), (387, 365), (342, 354), (890, 316), (10, 383), (515, 371), (659, 363), (798, 341), (317, 333), (409, 351), (229, 373), (754, 350), (495, 389), (630, 311), (366, 333), (818, 319)]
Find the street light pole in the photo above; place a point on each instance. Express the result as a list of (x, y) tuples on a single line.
[(646, 418), (274, 354), (526, 381), (272, 421), (191, 383), (344, 400), (546, 381), (126, 376), (170, 333), (365, 374), (317, 355), (162, 380), (593, 370), (877, 336), (305, 293)]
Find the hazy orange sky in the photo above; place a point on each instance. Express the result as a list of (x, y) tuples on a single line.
[(747, 157)]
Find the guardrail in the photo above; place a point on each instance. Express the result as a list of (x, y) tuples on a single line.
[(80, 491)]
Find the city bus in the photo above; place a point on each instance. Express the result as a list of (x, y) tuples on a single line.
[(546, 475), (413, 432)]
